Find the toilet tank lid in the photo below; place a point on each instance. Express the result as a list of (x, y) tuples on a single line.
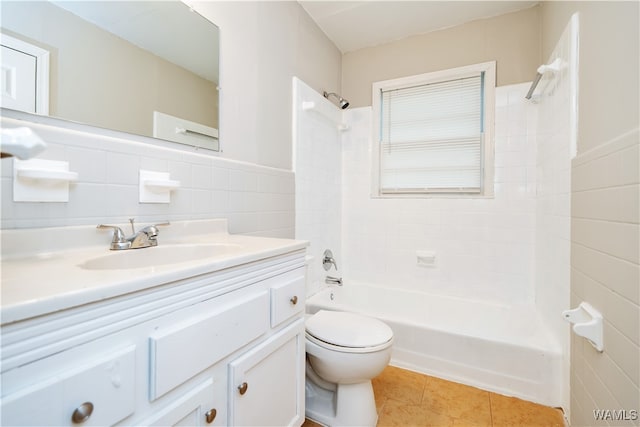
[(348, 329)]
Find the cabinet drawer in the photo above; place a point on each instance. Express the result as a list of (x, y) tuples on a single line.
[(185, 349), (106, 385), (287, 299)]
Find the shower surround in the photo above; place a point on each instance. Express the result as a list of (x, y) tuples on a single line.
[(485, 248)]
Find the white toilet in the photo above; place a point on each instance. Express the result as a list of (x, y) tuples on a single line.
[(344, 352)]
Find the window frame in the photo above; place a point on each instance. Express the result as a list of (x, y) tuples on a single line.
[(487, 151)]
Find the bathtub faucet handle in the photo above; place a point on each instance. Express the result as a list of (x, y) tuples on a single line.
[(330, 280), (328, 260)]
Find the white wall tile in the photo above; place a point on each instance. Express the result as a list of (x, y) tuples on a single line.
[(153, 164), (182, 172), (201, 201), (121, 168), (606, 272), (220, 178), (202, 176), (91, 165), (380, 236), (107, 189), (241, 180), (219, 201)]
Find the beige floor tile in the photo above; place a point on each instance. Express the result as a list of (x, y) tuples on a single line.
[(511, 411), (467, 405), (309, 423), (400, 385), (409, 399), (402, 414)]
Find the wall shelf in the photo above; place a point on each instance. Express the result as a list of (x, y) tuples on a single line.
[(156, 187), (47, 174), (39, 180)]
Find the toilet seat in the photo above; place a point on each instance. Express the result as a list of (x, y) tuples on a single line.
[(348, 332), (342, 349)]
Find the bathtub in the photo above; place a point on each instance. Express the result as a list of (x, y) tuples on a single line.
[(504, 349)]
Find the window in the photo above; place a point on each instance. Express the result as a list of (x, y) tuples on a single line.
[(433, 133)]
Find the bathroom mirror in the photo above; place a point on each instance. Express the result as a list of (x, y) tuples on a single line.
[(143, 67)]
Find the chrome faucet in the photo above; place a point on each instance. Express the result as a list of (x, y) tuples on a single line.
[(146, 237), (330, 280)]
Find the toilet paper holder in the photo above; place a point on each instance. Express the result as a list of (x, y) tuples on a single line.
[(587, 323)]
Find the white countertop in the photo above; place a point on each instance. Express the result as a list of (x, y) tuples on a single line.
[(38, 279)]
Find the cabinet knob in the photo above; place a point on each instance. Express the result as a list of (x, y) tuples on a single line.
[(211, 415), (242, 388), (294, 300), (82, 413)]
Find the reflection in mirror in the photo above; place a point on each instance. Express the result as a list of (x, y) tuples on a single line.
[(143, 67)]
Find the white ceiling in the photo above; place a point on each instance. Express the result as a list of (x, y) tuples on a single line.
[(353, 25)]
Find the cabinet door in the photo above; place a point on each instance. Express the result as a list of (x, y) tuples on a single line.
[(99, 393), (194, 408), (266, 384)]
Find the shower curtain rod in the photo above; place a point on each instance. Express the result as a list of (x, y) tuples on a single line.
[(534, 84), (554, 67)]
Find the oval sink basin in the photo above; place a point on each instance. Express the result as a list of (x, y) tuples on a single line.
[(158, 256)]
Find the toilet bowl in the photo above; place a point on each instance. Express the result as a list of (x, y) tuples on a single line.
[(344, 352)]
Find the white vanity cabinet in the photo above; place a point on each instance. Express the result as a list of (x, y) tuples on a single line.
[(222, 348)]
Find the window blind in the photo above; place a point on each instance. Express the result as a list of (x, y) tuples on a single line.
[(431, 137)]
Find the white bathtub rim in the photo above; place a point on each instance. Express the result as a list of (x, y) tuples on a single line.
[(357, 283), (466, 300), (542, 340)]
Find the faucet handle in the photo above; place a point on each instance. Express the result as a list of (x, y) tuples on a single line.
[(328, 261), (153, 229), (118, 234), (119, 240), (133, 228)]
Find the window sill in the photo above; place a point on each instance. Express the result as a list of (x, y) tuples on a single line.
[(432, 196)]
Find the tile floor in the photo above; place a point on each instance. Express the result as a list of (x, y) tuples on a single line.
[(406, 398)]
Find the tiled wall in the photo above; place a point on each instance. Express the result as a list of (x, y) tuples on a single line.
[(605, 272), (256, 200), (484, 246), (317, 165)]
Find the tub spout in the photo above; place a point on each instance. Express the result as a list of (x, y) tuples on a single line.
[(330, 280)]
